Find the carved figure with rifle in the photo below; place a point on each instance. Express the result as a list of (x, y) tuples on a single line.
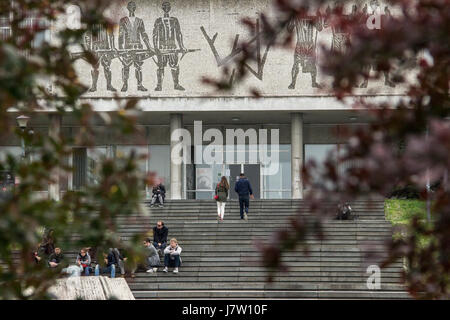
[(131, 35), (168, 43), (100, 41)]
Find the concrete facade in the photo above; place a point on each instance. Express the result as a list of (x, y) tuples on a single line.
[(159, 52)]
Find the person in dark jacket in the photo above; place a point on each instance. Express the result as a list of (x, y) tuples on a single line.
[(93, 254), (158, 194), (56, 258), (84, 261), (244, 190), (160, 233), (121, 259), (110, 262)]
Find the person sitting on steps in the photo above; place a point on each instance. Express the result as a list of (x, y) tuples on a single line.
[(344, 212), (84, 261), (56, 258), (172, 256), (151, 259), (159, 194), (160, 233), (110, 262)]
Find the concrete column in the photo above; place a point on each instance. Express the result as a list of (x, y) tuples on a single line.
[(54, 130), (176, 178), (296, 155)]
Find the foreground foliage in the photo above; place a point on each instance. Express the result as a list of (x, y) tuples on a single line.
[(31, 74)]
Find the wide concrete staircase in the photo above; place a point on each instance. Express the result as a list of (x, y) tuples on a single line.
[(221, 261)]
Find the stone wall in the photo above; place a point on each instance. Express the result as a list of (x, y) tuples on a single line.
[(91, 288)]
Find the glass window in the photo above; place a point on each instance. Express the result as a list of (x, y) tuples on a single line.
[(141, 153), (159, 163), (16, 152), (206, 178), (95, 156), (275, 171), (241, 154), (277, 184), (5, 28), (319, 153)]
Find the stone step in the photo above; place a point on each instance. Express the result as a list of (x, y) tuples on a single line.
[(176, 286), (223, 277), (238, 236), (269, 216), (201, 281), (325, 271), (259, 271), (195, 259), (290, 202), (242, 226), (217, 229), (355, 242), (271, 205), (263, 210), (274, 207), (254, 254), (220, 261), (270, 294)]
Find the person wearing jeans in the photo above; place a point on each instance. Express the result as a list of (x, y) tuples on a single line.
[(84, 261), (111, 262), (172, 256), (244, 189), (121, 259)]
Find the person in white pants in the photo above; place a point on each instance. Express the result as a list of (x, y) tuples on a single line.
[(221, 197)]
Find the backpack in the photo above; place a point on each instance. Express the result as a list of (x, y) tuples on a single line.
[(116, 254), (221, 193)]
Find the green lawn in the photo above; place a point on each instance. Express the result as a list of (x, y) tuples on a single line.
[(400, 212)]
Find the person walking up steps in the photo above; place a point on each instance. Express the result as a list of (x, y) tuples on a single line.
[(244, 190), (221, 197)]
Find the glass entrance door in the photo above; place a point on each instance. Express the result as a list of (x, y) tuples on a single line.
[(235, 170), (253, 174)]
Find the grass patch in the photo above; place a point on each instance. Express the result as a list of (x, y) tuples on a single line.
[(400, 211)]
